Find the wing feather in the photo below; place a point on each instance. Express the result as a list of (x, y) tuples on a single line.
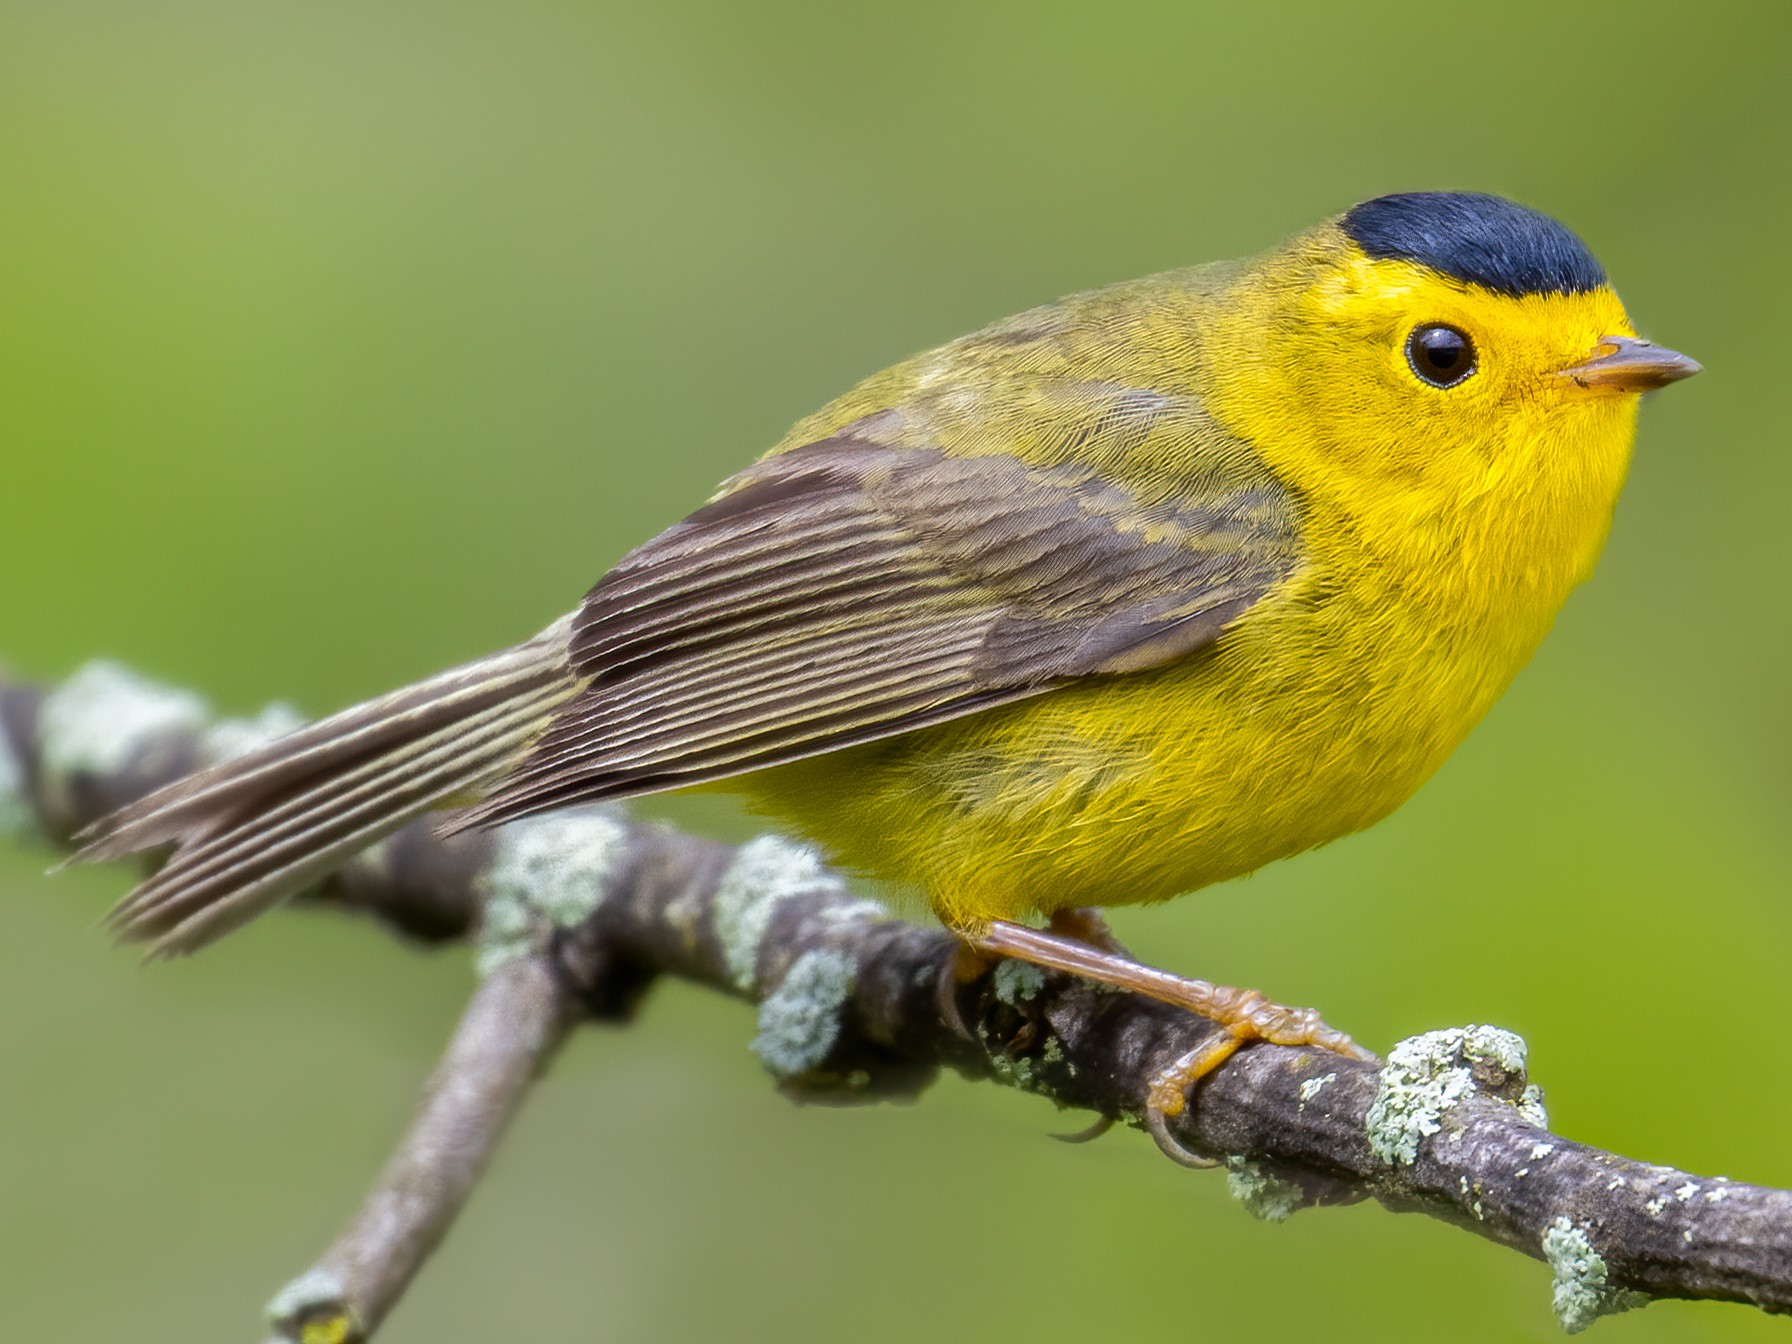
[(855, 588), (877, 670)]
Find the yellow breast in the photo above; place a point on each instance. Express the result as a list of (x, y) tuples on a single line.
[(1439, 541)]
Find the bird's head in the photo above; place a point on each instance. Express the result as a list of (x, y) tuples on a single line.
[(1447, 342)]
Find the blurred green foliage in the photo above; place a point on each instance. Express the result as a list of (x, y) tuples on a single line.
[(340, 342)]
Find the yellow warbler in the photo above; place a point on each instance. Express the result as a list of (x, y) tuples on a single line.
[(1125, 595)]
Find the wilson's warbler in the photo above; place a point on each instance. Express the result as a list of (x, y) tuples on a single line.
[(1125, 595)]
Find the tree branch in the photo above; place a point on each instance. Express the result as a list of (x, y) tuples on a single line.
[(573, 915), (516, 1020)]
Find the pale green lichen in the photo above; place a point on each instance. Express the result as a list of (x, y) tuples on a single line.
[(1472, 1194), (1312, 1087), (1263, 1195), (1025, 1073), (1427, 1076), (506, 932), (314, 1290), (1015, 1071), (863, 910), (16, 818), (1419, 1083), (228, 739), (1530, 1107), (1496, 1045), (1017, 981), (766, 871), (554, 870), (103, 718), (1582, 1290), (799, 1021)]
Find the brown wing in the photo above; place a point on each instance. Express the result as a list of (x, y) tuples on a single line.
[(851, 590)]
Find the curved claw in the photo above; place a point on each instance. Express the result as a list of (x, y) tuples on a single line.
[(1102, 1125), (1157, 1124), (962, 967), (1169, 1092)]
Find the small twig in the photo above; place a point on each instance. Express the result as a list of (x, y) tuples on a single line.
[(516, 1020), (575, 913)]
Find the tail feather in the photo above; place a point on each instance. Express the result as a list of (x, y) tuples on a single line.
[(226, 877), (254, 831)]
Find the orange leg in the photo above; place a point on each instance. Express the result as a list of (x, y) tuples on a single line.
[(1245, 1014), (1087, 925), (1080, 924)]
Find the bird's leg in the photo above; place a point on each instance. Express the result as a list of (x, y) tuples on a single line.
[(1078, 923), (1085, 924), (1244, 1014)]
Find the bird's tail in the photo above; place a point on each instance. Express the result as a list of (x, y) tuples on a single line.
[(252, 831)]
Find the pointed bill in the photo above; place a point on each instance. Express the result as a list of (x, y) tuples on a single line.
[(1630, 364)]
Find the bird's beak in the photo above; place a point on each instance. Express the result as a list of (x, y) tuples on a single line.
[(1628, 364)]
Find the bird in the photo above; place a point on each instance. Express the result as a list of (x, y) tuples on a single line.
[(1101, 604)]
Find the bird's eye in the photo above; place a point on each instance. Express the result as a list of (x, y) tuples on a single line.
[(1442, 356)]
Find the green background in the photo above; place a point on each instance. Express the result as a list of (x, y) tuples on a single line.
[(340, 342)]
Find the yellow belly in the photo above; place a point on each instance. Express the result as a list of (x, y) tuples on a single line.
[(1317, 716)]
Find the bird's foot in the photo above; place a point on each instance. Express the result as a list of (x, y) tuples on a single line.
[(1244, 1015)]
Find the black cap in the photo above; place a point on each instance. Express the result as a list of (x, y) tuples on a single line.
[(1485, 240)]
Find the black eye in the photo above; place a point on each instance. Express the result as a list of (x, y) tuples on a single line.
[(1440, 355)]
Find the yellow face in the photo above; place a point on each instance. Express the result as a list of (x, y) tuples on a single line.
[(1415, 369), (1463, 430), (1362, 377)]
